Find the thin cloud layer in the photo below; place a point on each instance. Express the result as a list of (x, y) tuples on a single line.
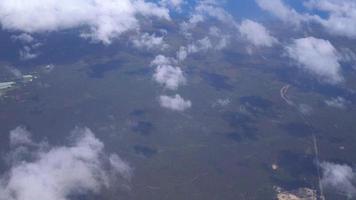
[(337, 102), (318, 57), (56, 173), (105, 20), (175, 103)]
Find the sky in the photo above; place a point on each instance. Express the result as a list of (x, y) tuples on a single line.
[(312, 47)]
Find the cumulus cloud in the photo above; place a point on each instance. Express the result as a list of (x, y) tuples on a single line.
[(339, 177), (256, 33), (341, 16), (170, 77), (167, 74), (105, 20), (318, 57), (175, 103), (149, 42), (56, 173)]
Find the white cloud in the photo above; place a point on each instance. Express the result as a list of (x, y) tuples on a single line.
[(48, 68), (182, 53), (204, 10), (162, 60), (175, 103), (211, 8), (337, 102), (338, 177), (120, 167), (106, 20), (170, 77), (203, 44), (14, 71), (222, 102), (222, 43), (166, 74), (222, 39), (149, 41), (26, 53), (30, 45), (56, 173), (256, 33), (279, 9), (318, 57), (341, 19), (347, 55), (20, 136), (340, 14), (23, 37), (305, 109)]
